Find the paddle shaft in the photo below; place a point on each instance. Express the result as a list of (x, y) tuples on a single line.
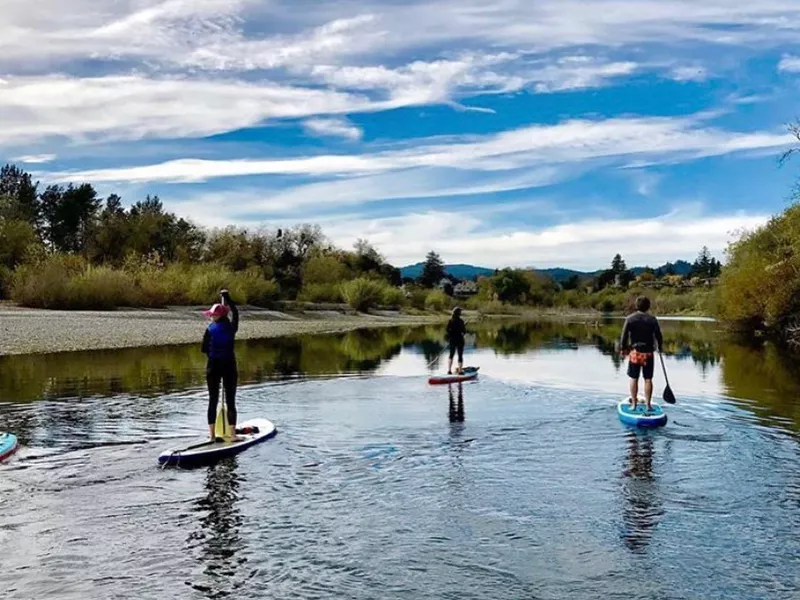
[(663, 367)]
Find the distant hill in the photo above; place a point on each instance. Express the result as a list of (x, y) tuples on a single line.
[(457, 271), (461, 271)]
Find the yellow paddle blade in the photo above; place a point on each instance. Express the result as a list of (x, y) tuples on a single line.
[(221, 424)]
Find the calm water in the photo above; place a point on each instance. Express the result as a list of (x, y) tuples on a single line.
[(521, 485)]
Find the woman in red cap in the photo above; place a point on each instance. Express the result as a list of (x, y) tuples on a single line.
[(218, 344)]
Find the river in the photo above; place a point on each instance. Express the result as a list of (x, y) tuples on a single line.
[(522, 484)]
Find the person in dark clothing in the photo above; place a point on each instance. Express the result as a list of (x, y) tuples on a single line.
[(456, 330), (640, 334), (218, 345)]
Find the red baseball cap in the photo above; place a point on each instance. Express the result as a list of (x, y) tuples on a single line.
[(218, 310)]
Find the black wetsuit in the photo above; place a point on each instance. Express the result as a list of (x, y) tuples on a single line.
[(641, 332), (218, 343), (456, 330)]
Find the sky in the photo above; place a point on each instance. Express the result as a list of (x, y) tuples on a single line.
[(497, 133)]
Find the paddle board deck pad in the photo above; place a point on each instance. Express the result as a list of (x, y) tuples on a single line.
[(8, 445), (468, 374), (641, 417), (199, 453)]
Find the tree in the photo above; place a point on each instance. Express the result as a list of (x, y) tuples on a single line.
[(618, 265), (21, 196), (69, 214), (572, 283), (706, 266), (367, 257), (433, 271)]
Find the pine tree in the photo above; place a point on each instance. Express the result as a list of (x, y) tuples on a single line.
[(618, 265), (433, 271)]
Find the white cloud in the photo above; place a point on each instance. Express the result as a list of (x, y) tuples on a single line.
[(689, 73), (789, 64), (35, 159), (248, 34), (579, 72), (133, 107), (334, 128), (587, 244), (570, 142), (340, 193)]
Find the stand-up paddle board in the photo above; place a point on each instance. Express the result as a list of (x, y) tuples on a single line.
[(8, 445), (253, 432), (468, 374), (641, 417)]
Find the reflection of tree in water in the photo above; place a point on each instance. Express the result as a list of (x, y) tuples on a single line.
[(218, 535), (642, 510), (432, 351)]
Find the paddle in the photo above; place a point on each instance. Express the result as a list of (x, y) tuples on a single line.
[(669, 397), (437, 357)]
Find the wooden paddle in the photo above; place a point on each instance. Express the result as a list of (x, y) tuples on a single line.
[(668, 396)]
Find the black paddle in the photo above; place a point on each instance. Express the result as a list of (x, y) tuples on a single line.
[(669, 397)]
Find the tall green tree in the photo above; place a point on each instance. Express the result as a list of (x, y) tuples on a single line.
[(69, 215), (21, 196), (433, 270)]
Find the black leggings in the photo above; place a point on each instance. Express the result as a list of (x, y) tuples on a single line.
[(226, 372), (457, 346)]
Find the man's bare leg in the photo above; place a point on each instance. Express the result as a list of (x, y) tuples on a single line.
[(634, 389), (648, 392)]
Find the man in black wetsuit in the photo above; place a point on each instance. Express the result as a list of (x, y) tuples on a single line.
[(640, 334), (456, 330)]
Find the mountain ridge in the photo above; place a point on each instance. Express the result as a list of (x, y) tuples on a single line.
[(465, 271)]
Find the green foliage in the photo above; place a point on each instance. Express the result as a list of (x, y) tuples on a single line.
[(325, 269), (393, 296), (69, 282), (321, 292), (760, 286), (417, 297), (437, 301), (362, 293)]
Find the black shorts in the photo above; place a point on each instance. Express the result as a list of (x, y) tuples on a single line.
[(646, 369), (457, 346)]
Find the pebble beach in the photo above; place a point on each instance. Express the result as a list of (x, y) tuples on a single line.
[(29, 331)]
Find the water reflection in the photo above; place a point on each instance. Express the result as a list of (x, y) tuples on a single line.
[(702, 363), (456, 409), (643, 508), (218, 537)]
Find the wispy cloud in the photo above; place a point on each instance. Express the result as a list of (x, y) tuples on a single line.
[(334, 128), (579, 72), (689, 73), (576, 141), (134, 107), (34, 159), (789, 64)]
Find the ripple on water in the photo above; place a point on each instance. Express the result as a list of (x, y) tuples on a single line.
[(395, 489)]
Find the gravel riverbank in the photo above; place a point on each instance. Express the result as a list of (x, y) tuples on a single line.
[(26, 331)]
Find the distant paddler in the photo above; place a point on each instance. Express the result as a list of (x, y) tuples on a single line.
[(456, 332), (218, 345)]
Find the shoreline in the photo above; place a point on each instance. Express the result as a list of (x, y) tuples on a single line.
[(41, 331), (38, 331)]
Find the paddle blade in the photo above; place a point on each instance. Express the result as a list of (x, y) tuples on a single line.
[(669, 397), (221, 424)]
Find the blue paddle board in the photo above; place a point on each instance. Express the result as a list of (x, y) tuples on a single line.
[(641, 417), (8, 445), (200, 453), (468, 374)]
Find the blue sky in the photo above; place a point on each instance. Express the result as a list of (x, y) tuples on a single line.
[(547, 133)]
